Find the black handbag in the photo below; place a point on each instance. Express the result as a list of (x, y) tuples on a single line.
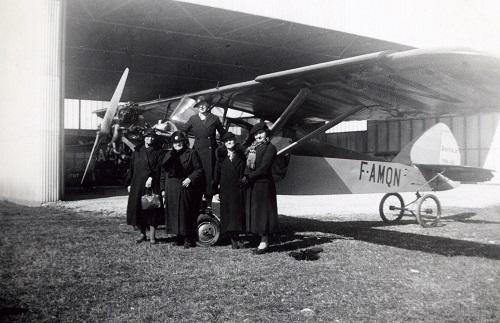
[(150, 200)]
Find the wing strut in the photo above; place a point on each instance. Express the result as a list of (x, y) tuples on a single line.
[(320, 130), (294, 105)]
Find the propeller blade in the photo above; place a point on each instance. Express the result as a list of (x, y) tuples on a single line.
[(96, 143), (113, 104)]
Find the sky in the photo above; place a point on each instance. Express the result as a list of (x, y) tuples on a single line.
[(473, 24)]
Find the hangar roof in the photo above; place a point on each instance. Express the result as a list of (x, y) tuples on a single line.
[(175, 47)]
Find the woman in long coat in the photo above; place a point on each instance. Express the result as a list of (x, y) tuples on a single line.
[(261, 207), (204, 125), (181, 174), (229, 168), (144, 172)]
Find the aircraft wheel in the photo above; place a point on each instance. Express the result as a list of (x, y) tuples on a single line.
[(391, 208), (428, 210), (208, 230)]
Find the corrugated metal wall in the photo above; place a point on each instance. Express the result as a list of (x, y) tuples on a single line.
[(477, 137), (31, 123), (356, 140)]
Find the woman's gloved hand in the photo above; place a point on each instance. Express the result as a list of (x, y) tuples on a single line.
[(244, 181)]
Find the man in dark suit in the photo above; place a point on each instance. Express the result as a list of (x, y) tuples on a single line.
[(204, 125)]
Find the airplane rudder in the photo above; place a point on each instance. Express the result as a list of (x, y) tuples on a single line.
[(435, 146)]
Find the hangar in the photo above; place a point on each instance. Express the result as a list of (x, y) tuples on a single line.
[(77, 49)]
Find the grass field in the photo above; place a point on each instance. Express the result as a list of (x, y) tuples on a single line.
[(61, 265)]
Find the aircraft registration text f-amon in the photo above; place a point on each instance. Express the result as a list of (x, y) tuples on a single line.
[(301, 104)]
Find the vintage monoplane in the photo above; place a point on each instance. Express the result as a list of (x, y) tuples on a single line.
[(301, 104)]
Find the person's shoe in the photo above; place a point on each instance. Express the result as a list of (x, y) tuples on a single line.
[(141, 239), (236, 244), (188, 244), (179, 241), (152, 241)]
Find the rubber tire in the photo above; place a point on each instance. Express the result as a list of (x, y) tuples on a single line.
[(385, 217), (423, 216), (207, 230)]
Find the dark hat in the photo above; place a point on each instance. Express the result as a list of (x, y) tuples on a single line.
[(197, 104), (150, 132), (179, 136), (259, 126), (228, 135)]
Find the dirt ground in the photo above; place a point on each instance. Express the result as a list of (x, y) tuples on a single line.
[(470, 212), (114, 200)]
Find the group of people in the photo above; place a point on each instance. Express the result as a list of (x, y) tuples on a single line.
[(183, 176)]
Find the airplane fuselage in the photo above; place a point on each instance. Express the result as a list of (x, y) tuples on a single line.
[(325, 175)]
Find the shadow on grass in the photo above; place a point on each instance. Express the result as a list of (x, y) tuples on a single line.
[(465, 218), (303, 233), (6, 313), (8, 309)]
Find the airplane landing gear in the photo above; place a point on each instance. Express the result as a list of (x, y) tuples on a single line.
[(428, 210), (392, 209)]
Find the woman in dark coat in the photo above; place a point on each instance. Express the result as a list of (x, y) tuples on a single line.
[(181, 174), (229, 168), (204, 124), (144, 173), (261, 207)]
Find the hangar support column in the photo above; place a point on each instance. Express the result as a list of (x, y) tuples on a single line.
[(31, 100)]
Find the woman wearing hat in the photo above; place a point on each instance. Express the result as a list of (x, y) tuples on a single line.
[(144, 173), (261, 207), (204, 125), (229, 168), (181, 174)]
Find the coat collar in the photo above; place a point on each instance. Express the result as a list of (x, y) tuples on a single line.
[(185, 156), (182, 158), (236, 161), (209, 120)]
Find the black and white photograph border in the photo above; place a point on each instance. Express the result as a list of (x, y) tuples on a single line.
[(69, 255)]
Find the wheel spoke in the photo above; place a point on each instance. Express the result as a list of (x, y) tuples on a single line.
[(391, 208)]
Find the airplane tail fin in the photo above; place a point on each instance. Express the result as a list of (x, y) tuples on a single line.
[(436, 146), (436, 151)]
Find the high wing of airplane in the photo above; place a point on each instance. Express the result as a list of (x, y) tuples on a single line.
[(415, 83), (302, 103)]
